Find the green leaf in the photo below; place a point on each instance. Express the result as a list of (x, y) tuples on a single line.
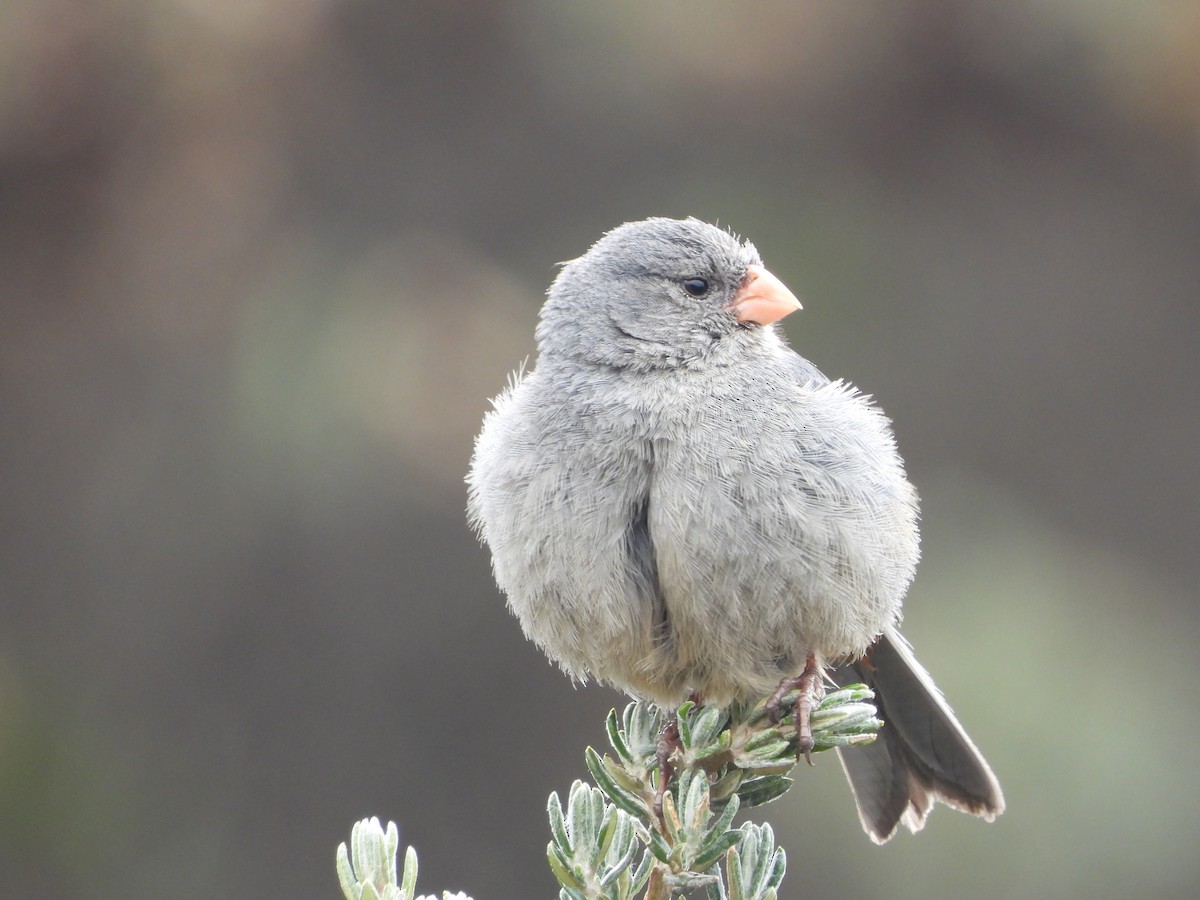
[(561, 867), (623, 776), (758, 791), (763, 845), (778, 869), (831, 739), (408, 884), (726, 786), (642, 873), (843, 718), (733, 874), (780, 759), (614, 871), (625, 831), (558, 827), (715, 849), (622, 798), (693, 799), (642, 722), (603, 840), (723, 822), (346, 873), (774, 766), (713, 748), (660, 848), (685, 725), (593, 810), (617, 739), (851, 693), (755, 867), (768, 743), (708, 725), (392, 844), (579, 819), (688, 881)]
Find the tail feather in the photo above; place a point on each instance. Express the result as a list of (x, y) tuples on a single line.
[(922, 753)]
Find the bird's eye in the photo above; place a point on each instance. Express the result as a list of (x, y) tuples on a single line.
[(697, 287)]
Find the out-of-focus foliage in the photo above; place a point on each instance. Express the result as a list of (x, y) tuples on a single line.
[(262, 263), (367, 867)]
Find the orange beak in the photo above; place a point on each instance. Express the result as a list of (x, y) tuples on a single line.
[(762, 298)]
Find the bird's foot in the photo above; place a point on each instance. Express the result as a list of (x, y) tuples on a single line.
[(808, 683)]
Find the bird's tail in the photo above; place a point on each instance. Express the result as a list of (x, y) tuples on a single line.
[(922, 753)]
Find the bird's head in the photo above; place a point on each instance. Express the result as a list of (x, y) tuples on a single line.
[(660, 293)]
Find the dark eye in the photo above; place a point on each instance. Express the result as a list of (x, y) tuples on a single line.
[(697, 287)]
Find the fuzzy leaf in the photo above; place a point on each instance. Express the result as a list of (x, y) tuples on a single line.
[(758, 791), (707, 726), (642, 873), (670, 818), (622, 776), (716, 849), (617, 739), (558, 826), (843, 718), (580, 819), (778, 869), (689, 881), (733, 874), (684, 723), (720, 745), (561, 868), (726, 786), (614, 871), (642, 723), (723, 822), (660, 848), (693, 800), (621, 798), (768, 743), (408, 883), (851, 693), (346, 873)]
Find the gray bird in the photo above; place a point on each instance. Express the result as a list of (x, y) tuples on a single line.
[(679, 505)]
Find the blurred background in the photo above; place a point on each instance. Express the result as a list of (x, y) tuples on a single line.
[(262, 264)]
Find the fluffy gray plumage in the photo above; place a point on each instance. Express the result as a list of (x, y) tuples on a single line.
[(677, 502)]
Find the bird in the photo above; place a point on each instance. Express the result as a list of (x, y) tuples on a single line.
[(681, 506)]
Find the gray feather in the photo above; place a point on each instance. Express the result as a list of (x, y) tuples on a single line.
[(922, 754)]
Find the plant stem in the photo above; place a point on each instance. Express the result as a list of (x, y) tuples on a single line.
[(656, 889)]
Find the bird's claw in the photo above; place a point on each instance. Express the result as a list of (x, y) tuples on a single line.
[(808, 683)]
